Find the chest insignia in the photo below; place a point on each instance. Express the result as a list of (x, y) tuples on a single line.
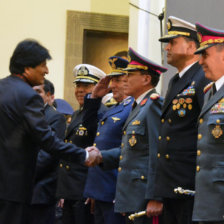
[(132, 141), (206, 89), (181, 112), (115, 119), (127, 101), (190, 90), (217, 108), (81, 131), (143, 102), (136, 122), (217, 131), (221, 101)]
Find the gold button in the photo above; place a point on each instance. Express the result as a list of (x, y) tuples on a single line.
[(97, 133), (198, 168), (167, 138), (198, 152), (201, 121), (169, 120), (142, 177), (119, 169), (162, 120), (94, 144), (167, 156), (66, 140), (70, 142), (199, 136), (67, 167), (122, 145), (121, 157), (124, 132), (218, 121), (102, 122), (160, 138), (158, 155), (61, 165), (133, 132)]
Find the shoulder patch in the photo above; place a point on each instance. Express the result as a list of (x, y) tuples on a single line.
[(127, 101), (154, 96), (208, 87), (143, 102)]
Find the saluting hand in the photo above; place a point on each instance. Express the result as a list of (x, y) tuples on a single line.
[(101, 88)]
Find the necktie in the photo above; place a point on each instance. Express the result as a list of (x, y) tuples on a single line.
[(134, 105), (214, 89)]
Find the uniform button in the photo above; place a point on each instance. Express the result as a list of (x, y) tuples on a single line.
[(158, 155), (198, 168), (97, 133), (167, 156), (122, 145), (169, 120), (121, 157), (102, 122), (119, 169), (67, 167), (142, 177), (199, 136), (94, 144), (201, 121), (167, 138), (124, 132), (218, 121), (162, 120), (66, 140), (70, 142), (159, 137), (133, 132), (61, 165), (198, 152)]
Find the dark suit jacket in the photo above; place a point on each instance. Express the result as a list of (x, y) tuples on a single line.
[(23, 131), (178, 135), (138, 152), (100, 184), (209, 203), (46, 169), (81, 131)]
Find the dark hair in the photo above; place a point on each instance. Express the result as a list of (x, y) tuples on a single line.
[(188, 39), (154, 77), (28, 53), (48, 87), (122, 54), (219, 47)]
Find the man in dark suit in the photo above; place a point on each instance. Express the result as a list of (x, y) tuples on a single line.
[(23, 131), (44, 193), (178, 135), (209, 203), (81, 132), (100, 185), (138, 151)]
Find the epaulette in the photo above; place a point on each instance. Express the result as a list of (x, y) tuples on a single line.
[(208, 87), (127, 101), (110, 102), (154, 96)]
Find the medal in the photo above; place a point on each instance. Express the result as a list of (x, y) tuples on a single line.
[(132, 141), (217, 131)]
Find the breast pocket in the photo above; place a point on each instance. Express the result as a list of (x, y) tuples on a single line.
[(216, 128), (136, 138)]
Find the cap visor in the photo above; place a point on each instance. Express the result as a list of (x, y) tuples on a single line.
[(167, 37), (117, 73), (203, 48), (84, 80)]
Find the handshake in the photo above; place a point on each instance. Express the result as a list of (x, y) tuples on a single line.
[(94, 157)]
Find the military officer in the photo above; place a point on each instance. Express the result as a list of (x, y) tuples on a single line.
[(138, 150), (209, 203), (100, 185), (178, 135), (81, 132)]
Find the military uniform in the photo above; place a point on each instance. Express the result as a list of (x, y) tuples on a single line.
[(81, 132), (209, 203), (178, 135)]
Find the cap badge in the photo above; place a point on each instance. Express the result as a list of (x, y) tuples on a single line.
[(83, 71), (169, 25), (199, 37), (112, 64)]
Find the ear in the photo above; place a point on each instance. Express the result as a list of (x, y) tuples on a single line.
[(27, 71), (147, 80), (191, 47)]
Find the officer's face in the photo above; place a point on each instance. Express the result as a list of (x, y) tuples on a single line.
[(212, 61), (40, 90), (35, 76), (136, 84), (177, 51), (81, 89), (117, 86)]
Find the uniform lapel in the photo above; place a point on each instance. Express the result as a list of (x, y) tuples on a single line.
[(114, 110), (73, 123), (218, 95), (180, 85)]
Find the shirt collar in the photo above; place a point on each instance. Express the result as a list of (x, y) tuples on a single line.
[(141, 97), (219, 83), (185, 69)]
